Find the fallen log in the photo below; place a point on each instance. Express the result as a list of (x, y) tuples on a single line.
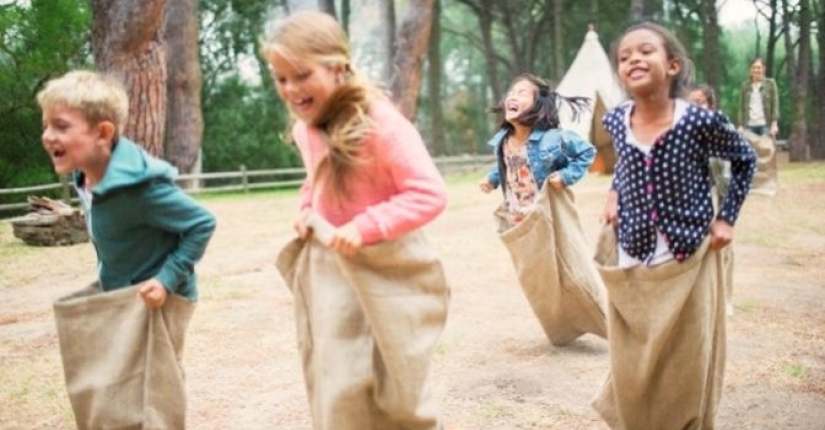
[(50, 223)]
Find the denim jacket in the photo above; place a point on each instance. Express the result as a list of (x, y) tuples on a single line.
[(548, 151)]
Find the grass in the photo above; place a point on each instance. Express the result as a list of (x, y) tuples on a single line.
[(747, 305), (803, 172), (765, 240), (214, 288), (795, 370), (257, 193)]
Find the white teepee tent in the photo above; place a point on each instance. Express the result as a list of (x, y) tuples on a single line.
[(591, 75)]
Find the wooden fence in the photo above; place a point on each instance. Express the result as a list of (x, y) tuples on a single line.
[(243, 180)]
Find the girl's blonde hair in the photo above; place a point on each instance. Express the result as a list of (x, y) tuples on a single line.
[(98, 97), (317, 36)]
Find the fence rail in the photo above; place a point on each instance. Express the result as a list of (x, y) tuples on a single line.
[(244, 180)]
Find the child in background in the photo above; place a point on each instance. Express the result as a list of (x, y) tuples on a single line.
[(702, 95), (666, 325), (148, 235), (371, 299), (537, 163)]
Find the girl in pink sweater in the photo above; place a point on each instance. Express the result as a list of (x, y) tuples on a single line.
[(371, 299)]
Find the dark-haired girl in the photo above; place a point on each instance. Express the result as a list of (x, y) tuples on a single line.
[(665, 312), (538, 222), (531, 148)]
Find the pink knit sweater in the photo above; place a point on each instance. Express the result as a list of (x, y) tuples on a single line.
[(396, 190)]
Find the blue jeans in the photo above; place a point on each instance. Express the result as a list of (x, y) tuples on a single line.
[(758, 129)]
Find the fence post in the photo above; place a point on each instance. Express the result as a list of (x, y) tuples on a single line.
[(244, 179), (65, 194)]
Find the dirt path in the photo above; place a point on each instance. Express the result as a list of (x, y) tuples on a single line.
[(494, 369)]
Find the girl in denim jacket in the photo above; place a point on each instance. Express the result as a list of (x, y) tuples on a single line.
[(530, 147), (538, 223)]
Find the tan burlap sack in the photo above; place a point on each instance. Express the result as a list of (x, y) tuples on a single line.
[(727, 269), (121, 359), (666, 330), (765, 179), (552, 260), (367, 329), (726, 254)]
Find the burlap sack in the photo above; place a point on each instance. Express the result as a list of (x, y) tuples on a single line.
[(727, 266), (765, 179), (367, 328), (121, 359), (726, 254), (552, 260), (666, 330)]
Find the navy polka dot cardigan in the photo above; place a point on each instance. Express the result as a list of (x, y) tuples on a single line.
[(669, 188)]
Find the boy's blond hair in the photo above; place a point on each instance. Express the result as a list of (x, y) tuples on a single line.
[(98, 97)]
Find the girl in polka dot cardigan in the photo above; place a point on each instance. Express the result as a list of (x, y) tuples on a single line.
[(665, 311), (660, 196)]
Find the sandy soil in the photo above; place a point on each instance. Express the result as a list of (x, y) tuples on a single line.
[(494, 368)]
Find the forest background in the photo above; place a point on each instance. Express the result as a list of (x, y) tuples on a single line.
[(202, 97)]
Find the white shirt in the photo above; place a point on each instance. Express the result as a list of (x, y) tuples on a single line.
[(756, 112), (662, 252)]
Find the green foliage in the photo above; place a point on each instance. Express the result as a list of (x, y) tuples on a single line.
[(244, 122), (39, 40), (244, 125)]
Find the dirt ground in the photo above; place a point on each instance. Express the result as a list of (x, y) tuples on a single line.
[(494, 368)]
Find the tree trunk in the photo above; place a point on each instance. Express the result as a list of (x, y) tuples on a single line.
[(413, 37), (817, 144), (327, 6), (434, 84), (711, 51), (773, 38), (798, 141), (594, 12), (790, 56), (485, 21), (637, 10), (184, 123), (128, 42), (558, 39), (388, 18), (483, 10), (518, 63), (345, 12)]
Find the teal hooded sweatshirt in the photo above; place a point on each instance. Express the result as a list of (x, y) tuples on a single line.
[(143, 225)]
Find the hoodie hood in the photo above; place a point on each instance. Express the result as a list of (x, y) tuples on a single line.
[(130, 165)]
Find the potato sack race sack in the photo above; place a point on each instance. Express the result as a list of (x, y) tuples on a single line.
[(367, 328), (666, 330), (553, 264), (121, 359), (765, 180)]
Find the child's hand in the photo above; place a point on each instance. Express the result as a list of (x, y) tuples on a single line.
[(721, 234), (485, 186), (555, 180), (153, 293), (610, 215), (346, 239), (301, 224)]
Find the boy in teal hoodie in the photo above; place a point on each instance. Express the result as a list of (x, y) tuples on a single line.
[(145, 229), (148, 235)]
